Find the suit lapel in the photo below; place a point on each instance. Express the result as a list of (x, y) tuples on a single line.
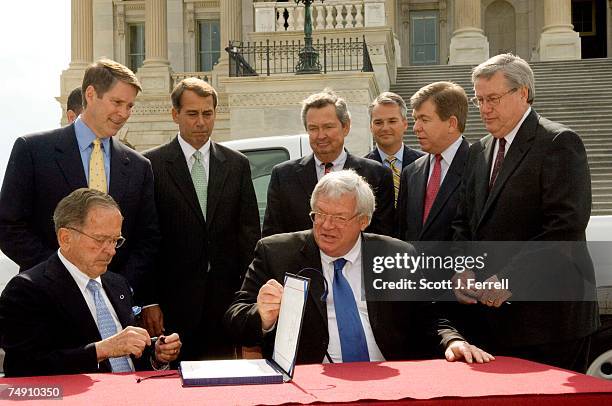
[(68, 158), (119, 170), (352, 163), (452, 180), (65, 290), (420, 186), (179, 173), (120, 300), (216, 179), (307, 174), (482, 173), (515, 154), (311, 258)]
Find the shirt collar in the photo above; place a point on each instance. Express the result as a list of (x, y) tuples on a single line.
[(399, 154), (188, 149), (338, 162), (449, 153), (350, 256), (85, 136), (79, 277), (510, 136)]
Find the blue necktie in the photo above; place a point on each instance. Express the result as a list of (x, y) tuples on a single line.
[(106, 325), (352, 338)]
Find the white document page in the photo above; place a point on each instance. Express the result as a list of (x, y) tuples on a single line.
[(226, 368), (289, 322)]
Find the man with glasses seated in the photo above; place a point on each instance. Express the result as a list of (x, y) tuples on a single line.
[(528, 180), (67, 315), (339, 324)]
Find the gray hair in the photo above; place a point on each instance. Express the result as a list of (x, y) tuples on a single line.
[(73, 209), (517, 72), (334, 185), (322, 99), (389, 98)]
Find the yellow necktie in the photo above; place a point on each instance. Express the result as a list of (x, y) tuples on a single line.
[(396, 175), (97, 176)]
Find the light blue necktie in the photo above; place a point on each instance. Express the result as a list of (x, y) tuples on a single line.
[(352, 338), (106, 325), (198, 176)]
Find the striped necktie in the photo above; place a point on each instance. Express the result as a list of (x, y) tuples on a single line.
[(200, 181), (106, 325), (392, 160), (97, 175)]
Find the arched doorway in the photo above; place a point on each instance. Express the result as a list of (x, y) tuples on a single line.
[(500, 27)]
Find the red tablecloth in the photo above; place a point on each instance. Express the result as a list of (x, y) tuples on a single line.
[(504, 381)]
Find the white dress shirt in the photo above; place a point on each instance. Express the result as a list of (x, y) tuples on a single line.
[(82, 280), (447, 159), (188, 151), (338, 164), (509, 138), (352, 272)]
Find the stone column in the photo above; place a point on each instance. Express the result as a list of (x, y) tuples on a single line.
[(231, 30), (558, 40), (156, 33), (81, 49), (155, 73), (468, 45), (81, 41)]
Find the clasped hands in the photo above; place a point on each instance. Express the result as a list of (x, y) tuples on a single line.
[(133, 340), (467, 294)]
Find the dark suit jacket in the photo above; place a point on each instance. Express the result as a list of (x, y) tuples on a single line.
[(292, 184), (46, 327), (410, 155), (400, 328), (411, 200), (187, 291), (542, 193), (46, 167)]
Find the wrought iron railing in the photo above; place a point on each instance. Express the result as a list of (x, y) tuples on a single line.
[(274, 57)]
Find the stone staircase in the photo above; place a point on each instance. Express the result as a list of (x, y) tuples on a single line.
[(575, 93)]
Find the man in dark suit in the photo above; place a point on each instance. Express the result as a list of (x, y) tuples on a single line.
[(327, 120), (528, 180), (339, 325), (45, 167), (388, 123), (429, 188), (209, 224), (67, 315)]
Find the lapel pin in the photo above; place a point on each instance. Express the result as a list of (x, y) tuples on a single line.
[(121, 297)]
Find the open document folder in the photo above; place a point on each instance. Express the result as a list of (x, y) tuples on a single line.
[(259, 371)]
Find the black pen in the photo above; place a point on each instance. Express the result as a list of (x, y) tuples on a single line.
[(160, 338)]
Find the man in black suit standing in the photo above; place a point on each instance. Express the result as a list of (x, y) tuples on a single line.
[(388, 123), (327, 120), (339, 324), (67, 315), (429, 186), (529, 181), (209, 224), (47, 166)]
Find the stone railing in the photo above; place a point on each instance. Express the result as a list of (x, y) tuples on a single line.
[(330, 15), (178, 76)]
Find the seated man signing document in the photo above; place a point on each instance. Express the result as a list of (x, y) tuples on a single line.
[(339, 325)]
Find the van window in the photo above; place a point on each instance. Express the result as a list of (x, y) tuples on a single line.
[(262, 161)]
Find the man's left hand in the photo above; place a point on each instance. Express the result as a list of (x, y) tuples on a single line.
[(458, 350), (153, 320), (168, 350)]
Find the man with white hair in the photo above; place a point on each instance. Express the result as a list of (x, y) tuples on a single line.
[(339, 325)]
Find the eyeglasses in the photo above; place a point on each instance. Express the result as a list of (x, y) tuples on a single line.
[(103, 241), (319, 218), (491, 100)]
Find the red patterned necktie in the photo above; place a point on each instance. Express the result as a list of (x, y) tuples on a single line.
[(433, 186), (499, 160), (327, 167)]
